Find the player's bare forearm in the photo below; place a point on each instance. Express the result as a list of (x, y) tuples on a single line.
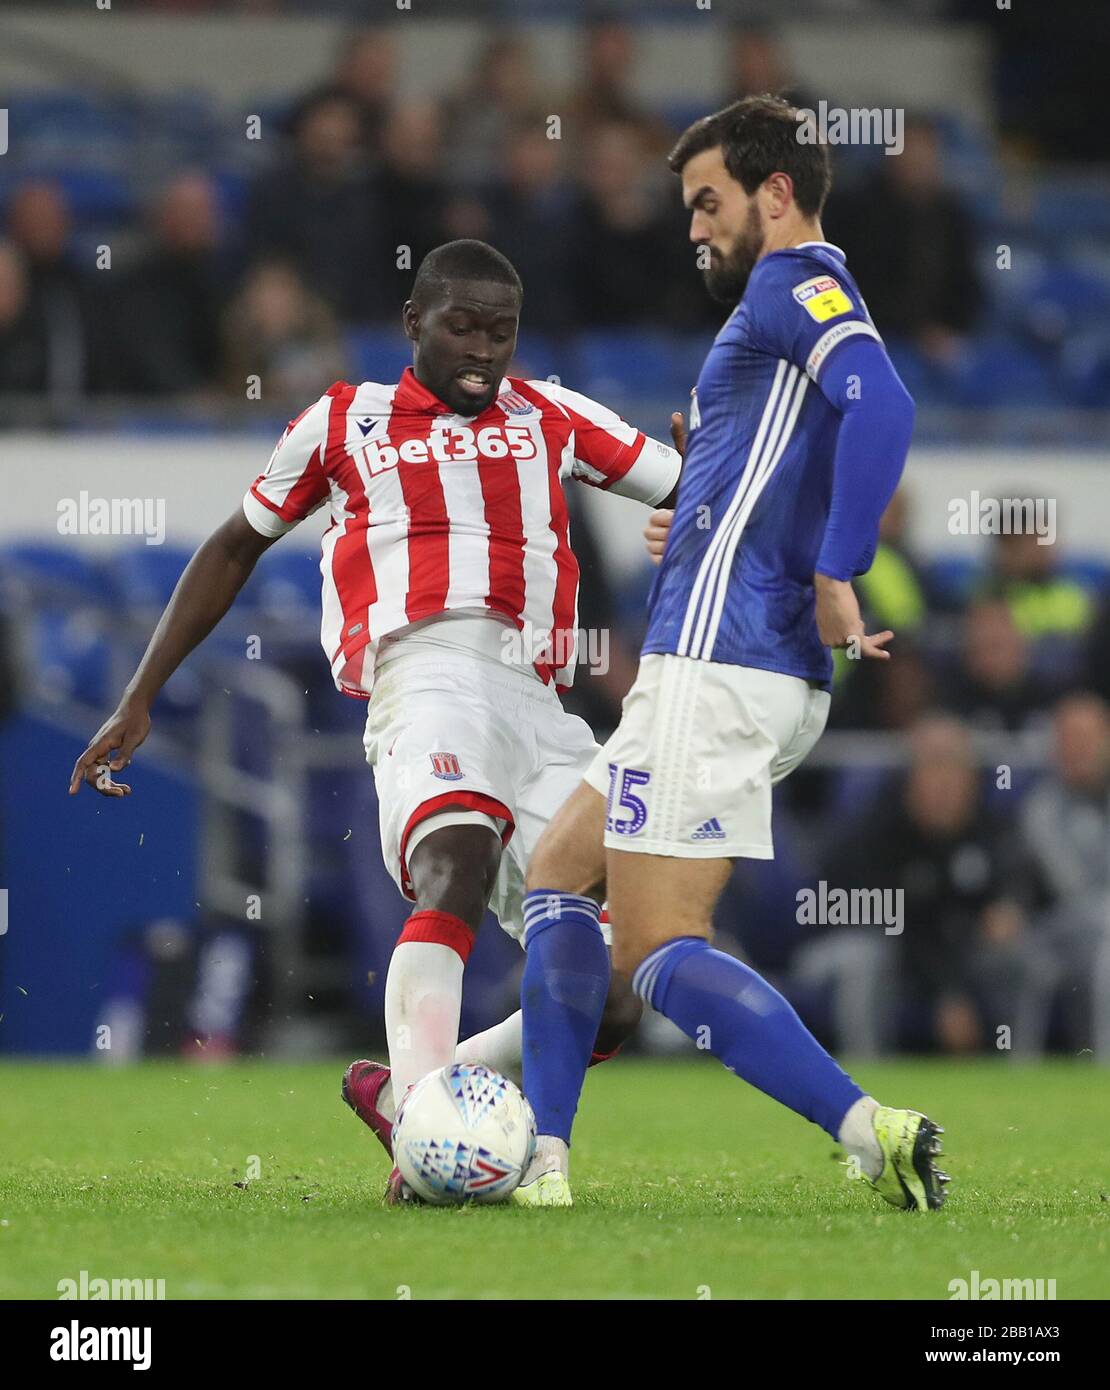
[(839, 622), (204, 593)]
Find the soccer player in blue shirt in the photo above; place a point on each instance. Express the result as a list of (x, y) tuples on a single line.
[(799, 429)]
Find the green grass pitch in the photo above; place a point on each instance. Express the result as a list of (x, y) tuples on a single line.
[(688, 1184)]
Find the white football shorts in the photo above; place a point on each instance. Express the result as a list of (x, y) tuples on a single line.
[(689, 771), (458, 737)]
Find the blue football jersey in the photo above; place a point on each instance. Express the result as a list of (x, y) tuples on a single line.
[(736, 581)]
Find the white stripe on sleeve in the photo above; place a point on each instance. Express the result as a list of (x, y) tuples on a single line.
[(827, 341)]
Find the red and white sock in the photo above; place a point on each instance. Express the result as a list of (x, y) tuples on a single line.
[(423, 995)]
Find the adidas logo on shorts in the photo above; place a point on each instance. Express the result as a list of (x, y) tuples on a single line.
[(711, 830)]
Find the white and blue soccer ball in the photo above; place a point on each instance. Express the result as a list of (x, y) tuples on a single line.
[(464, 1133)]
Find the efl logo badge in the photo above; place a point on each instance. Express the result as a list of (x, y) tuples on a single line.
[(822, 298), (446, 767), (513, 403)]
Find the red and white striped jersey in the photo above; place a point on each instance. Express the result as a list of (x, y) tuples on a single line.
[(432, 511)]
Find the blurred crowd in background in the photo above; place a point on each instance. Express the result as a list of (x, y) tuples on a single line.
[(270, 258), (996, 825), (992, 817)]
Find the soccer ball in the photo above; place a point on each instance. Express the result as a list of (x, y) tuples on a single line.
[(463, 1133)]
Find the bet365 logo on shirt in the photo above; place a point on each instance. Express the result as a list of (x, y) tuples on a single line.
[(452, 444)]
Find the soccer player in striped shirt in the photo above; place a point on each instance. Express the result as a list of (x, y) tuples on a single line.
[(798, 435), (450, 605)]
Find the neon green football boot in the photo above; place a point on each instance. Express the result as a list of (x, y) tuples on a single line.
[(909, 1178), (551, 1189)]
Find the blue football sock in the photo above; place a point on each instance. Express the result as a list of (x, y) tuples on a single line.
[(562, 996), (725, 1007)]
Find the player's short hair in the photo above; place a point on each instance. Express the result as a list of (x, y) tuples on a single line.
[(462, 260), (758, 137)]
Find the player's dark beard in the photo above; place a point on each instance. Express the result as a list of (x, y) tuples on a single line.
[(727, 276)]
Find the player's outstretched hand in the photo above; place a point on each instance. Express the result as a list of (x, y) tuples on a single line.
[(840, 624), (870, 645), (655, 533), (121, 734), (678, 432)]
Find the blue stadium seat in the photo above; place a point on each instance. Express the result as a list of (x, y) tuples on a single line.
[(99, 194), (286, 584), (1059, 659), (181, 697), (146, 575), (1009, 292), (329, 889), (1092, 571), (1003, 801), (630, 598), (854, 793), (680, 114), (1071, 204), (331, 796), (231, 192), (1066, 299), (626, 364), (66, 121), (538, 356), (969, 163), (54, 567), (378, 354), (1085, 368), (68, 131), (998, 372), (951, 579), (187, 115), (759, 905), (920, 378), (71, 656)]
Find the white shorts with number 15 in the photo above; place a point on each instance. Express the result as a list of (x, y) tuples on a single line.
[(688, 773)]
